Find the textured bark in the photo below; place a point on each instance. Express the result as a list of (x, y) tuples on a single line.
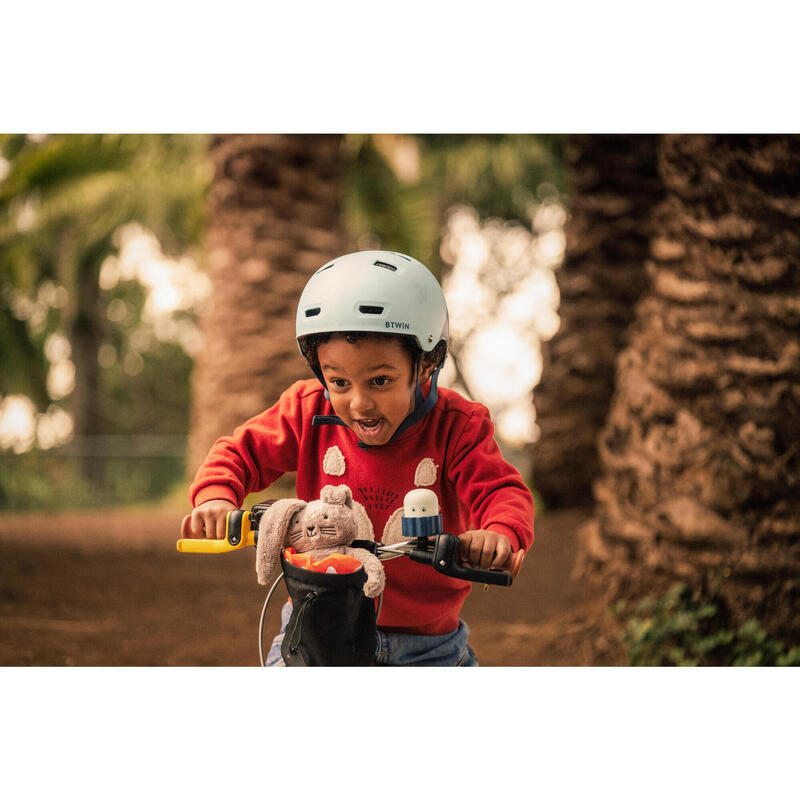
[(701, 450), (274, 218), (615, 189)]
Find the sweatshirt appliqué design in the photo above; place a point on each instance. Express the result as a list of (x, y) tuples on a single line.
[(333, 463), (377, 498), (425, 474)]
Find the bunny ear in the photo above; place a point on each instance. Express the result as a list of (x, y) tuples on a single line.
[(337, 495), (272, 532)]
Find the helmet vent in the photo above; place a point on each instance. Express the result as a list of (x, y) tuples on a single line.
[(383, 264), (313, 312), (322, 269), (370, 309)]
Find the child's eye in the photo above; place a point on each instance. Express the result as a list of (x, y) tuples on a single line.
[(339, 383), (381, 380)]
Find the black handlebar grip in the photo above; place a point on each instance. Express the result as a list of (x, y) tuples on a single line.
[(444, 558), (492, 576)]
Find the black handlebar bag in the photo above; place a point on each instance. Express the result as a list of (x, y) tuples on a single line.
[(332, 624)]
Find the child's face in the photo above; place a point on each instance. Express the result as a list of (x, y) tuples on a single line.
[(370, 384)]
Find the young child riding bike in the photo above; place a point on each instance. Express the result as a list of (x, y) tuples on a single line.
[(373, 327)]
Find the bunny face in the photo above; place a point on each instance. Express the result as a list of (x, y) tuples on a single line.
[(320, 526), (325, 524)]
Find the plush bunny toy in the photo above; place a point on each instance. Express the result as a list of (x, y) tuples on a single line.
[(319, 528)]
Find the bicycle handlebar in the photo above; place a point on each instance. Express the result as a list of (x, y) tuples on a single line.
[(439, 551), (239, 532)]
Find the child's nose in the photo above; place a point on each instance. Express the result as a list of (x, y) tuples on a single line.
[(361, 402)]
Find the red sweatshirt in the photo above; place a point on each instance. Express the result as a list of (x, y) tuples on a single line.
[(451, 451)]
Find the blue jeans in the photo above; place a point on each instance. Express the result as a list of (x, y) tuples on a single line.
[(401, 649)]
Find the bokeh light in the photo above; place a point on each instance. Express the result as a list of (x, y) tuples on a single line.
[(503, 301), (175, 288)]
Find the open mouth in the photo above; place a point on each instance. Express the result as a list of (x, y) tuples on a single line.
[(369, 428)]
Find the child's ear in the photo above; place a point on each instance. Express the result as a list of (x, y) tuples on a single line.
[(425, 372)]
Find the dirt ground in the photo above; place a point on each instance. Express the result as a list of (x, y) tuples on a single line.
[(108, 588)]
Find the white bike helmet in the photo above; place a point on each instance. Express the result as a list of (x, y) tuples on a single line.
[(375, 291)]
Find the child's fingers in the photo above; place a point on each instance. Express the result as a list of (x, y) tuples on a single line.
[(471, 549), (481, 551), (206, 526), (192, 526), (199, 527), (484, 549), (220, 525), (464, 542), (209, 522), (501, 553), (487, 552), (210, 525)]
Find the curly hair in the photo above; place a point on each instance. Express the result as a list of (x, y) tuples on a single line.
[(436, 357)]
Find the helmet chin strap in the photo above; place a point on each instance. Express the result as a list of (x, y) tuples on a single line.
[(422, 405)]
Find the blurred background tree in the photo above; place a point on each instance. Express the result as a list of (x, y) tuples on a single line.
[(614, 187), (401, 186), (274, 219), (72, 339)]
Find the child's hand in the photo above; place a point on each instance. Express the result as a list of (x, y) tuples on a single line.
[(484, 549), (207, 520)]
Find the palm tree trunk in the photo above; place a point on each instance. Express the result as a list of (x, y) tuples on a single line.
[(615, 187), (701, 450), (274, 218), (84, 323)]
